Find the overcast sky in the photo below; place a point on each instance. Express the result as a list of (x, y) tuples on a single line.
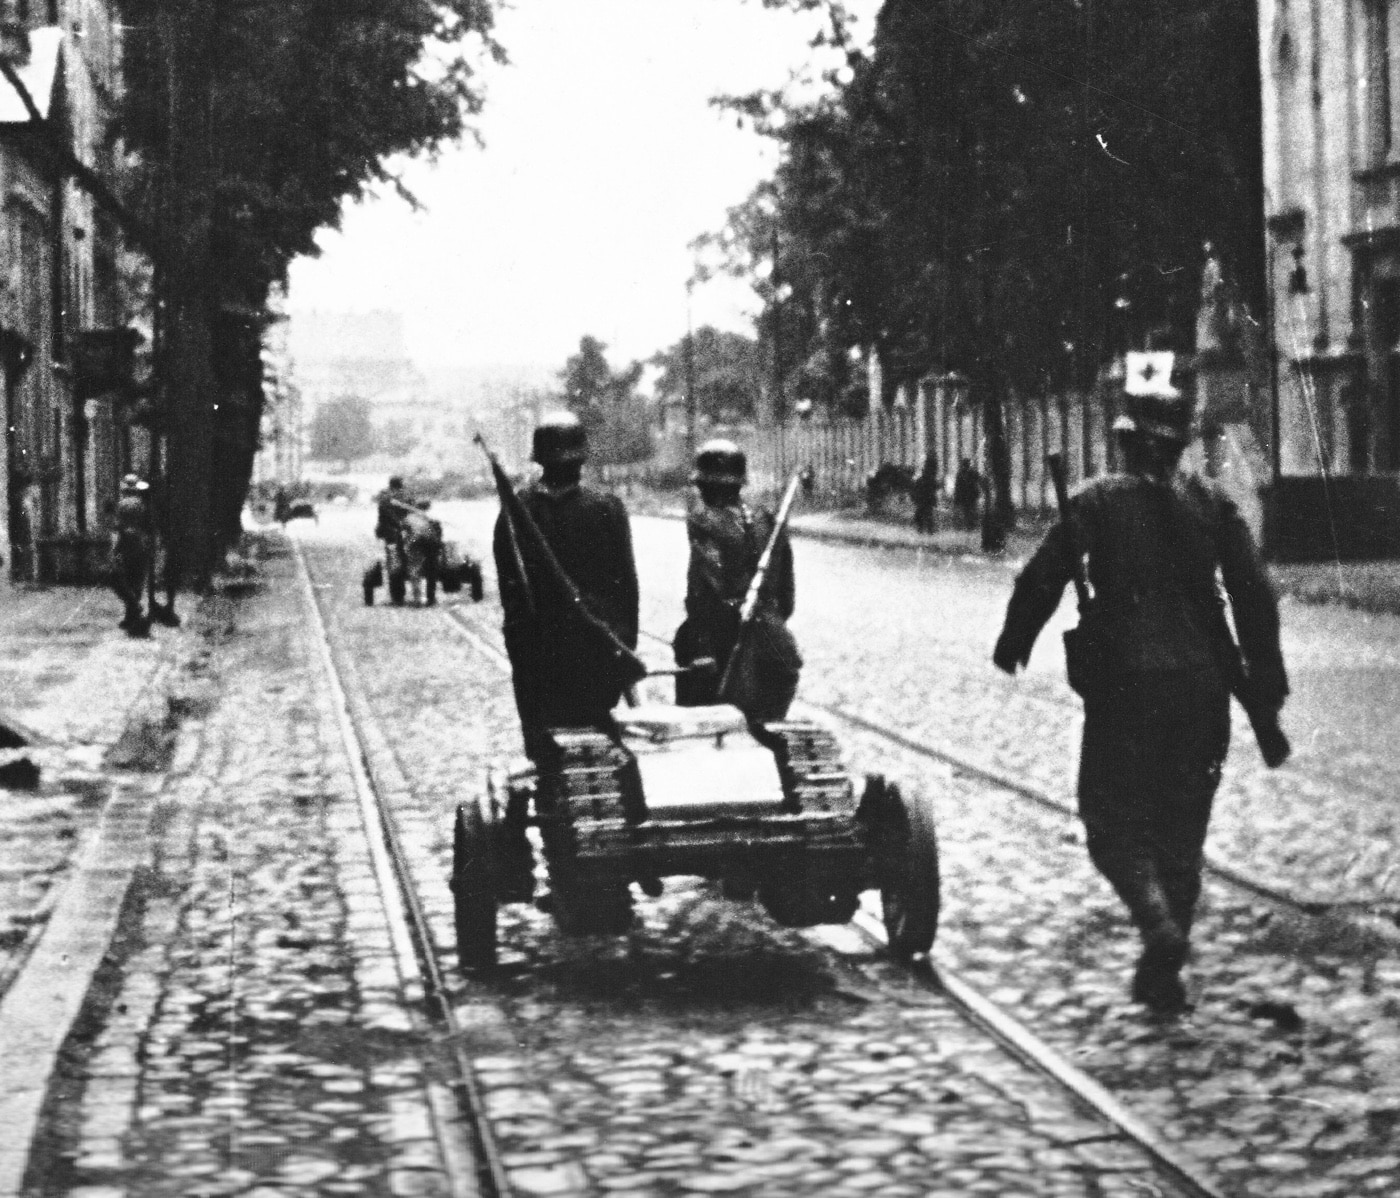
[(602, 161)]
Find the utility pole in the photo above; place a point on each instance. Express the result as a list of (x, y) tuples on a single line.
[(690, 413)]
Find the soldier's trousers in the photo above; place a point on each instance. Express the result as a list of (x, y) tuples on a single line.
[(1149, 767)]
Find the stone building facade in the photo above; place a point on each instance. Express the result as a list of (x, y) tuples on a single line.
[(64, 306)]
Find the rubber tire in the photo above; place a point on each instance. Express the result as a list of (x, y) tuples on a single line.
[(473, 896), (398, 589), (909, 883), (477, 589)]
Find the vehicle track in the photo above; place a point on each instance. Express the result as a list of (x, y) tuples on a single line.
[(1015, 1036)]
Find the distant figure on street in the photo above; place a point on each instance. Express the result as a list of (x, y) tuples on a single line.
[(132, 553), (557, 682), (1156, 665), (925, 493), (727, 537), (392, 504), (967, 490)]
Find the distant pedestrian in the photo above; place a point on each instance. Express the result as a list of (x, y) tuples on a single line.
[(967, 490), (131, 556), (925, 493), (1155, 663)]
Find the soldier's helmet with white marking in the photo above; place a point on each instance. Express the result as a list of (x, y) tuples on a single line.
[(559, 438), (1151, 403), (720, 461)]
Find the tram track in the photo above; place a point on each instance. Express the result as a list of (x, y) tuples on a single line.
[(473, 1164), (975, 1008)]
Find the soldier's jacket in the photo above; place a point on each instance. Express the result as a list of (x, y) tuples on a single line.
[(589, 534), (725, 545), (1153, 551)]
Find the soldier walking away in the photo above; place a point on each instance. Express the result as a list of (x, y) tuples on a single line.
[(131, 555), (1155, 662), (559, 677), (727, 538)]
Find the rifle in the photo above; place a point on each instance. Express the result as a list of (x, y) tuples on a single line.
[(760, 575), (1083, 650), (628, 665)]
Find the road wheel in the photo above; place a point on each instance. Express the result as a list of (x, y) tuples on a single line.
[(474, 898), (908, 865)]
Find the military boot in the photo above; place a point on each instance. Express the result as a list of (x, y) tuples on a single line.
[(1157, 981)]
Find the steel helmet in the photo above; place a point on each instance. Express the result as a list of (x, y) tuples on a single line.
[(560, 437), (720, 461), (1151, 403)]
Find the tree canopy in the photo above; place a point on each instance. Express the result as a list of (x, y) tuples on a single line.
[(1015, 189), (607, 403), (727, 372)]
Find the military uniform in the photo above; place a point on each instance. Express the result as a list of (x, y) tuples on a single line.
[(1157, 713), (725, 545), (555, 672)]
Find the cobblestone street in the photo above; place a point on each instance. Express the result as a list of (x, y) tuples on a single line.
[(249, 1032)]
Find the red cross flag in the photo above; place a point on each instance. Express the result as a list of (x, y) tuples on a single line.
[(1150, 374)]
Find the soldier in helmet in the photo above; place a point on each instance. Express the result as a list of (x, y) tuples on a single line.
[(393, 502), (591, 539), (1157, 703), (727, 538)]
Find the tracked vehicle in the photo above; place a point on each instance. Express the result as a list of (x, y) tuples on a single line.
[(769, 812)]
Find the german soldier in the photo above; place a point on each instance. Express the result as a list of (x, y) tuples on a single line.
[(1161, 661), (727, 537), (556, 680)]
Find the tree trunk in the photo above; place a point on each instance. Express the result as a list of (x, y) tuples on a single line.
[(184, 34)]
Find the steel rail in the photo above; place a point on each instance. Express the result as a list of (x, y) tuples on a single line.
[(410, 931), (1015, 1036), (1031, 1050)]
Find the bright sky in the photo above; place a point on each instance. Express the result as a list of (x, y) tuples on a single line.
[(602, 161)]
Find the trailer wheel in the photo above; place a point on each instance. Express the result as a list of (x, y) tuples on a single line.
[(473, 893), (398, 588), (909, 881)]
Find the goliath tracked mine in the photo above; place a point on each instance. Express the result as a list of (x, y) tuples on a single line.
[(769, 812)]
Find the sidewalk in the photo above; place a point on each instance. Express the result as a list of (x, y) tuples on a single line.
[(1369, 586)]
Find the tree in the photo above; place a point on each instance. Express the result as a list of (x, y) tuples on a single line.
[(342, 431), (992, 187), (252, 124), (607, 404), (727, 374)]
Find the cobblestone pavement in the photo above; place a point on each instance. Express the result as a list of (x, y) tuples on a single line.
[(1287, 1075), (83, 694), (249, 1034), (709, 1051)]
